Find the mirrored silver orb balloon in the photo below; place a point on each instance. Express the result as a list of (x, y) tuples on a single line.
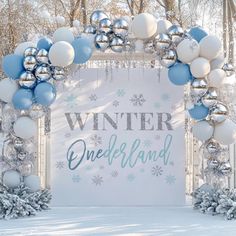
[(225, 168), (58, 73), (27, 80), (210, 98), (228, 68), (176, 33), (97, 16), (212, 164), (101, 41), (219, 112), (117, 44), (161, 42), (31, 51), (199, 86), (105, 25), (42, 56), (36, 111), (30, 63), (26, 168), (213, 147), (43, 72), (120, 27), (22, 155), (18, 143), (149, 47), (89, 29), (128, 46), (168, 58), (10, 152)]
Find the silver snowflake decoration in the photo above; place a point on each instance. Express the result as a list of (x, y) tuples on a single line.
[(93, 97), (170, 179), (130, 177), (157, 171), (96, 140), (76, 178), (60, 165), (120, 92), (116, 103), (114, 174), (97, 180), (147, 143), (137, 100)]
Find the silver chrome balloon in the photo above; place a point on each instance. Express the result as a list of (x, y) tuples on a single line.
[(161, 42), (212, 164), (89, 29), (27, 80), (219, 112), (210, 98), (228, 68), (58, 73), (105, 25), (213, 147), (30, 63), (101, 41), (43, 72), (22, 155), (149, 47), (36, 111), (42, 56), (18, 143), (120, 27), (128, 46), (117, 44), (225, 168), (199, 86), (168, 58), (31, 51), (97, 16), (176, 33)]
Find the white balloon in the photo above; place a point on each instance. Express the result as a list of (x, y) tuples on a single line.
[(60, 20), (7, 89), (188, 50), (76, 23), (63, 34), (20, 49), (144, 26), (61, 54), (25, 127), (32, 182), (162, 26), (210, 47), (200, 67), (202, 130), (11, 178), (216, 78), (225, 132), (218, 62)]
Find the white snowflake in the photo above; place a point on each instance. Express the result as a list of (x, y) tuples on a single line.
[(170, 179), (137, 100), (157, 171), (93, 97), (60, 165), (97, 180), (96, 140), (76, 178)]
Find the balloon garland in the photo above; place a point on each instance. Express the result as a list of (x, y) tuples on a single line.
[(191, 56)]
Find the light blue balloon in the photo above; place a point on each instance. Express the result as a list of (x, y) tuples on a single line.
[(12, 65), (197, 33), (22, 99), (44, 43), (199, 112), (45, 93), (83, 50), (179, 74)]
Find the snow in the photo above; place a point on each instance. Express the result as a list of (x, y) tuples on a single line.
[(126, 221)]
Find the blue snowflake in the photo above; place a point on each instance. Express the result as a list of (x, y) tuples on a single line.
[(97, 180), (67, 135), (76, 178), (88, 167), (115, 103), (137, 100), (93, 97), (120, 92), (170, 179), (71, 100), (157, 171), (142, 170), (60, 165), (157, 105), (147, 143), (114, 173), (130, 177), (165, 97)]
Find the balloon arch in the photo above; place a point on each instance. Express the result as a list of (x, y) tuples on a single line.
[(192, 57)]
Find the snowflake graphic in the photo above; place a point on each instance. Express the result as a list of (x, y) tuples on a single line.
[(120, 93), (88, 167), (130, 177), (147, 143), (172, 163), (157, 137), (114, 174), (76, 178), (60, 165), (116, 103), (101, 167), (173, 107), (165, 97), (157, 105), (142, 170), (67, 135), (97, 180), (170, 179), (93, 97), (157, 171), (137, 100), (96, 140), (71, 100)]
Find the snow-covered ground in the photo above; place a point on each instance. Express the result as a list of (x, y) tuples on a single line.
[(129, 221)]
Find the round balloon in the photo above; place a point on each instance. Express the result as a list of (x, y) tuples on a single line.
[(12, 65), (63, 34), (45, 93), (22, 99), (200, 67), (61, 54), (210, 47), (218, 62), (225, 132), (7, 89), (25, 127), (197, 33), (163, 26), (199, 112), (32, 182), (179, 74), (20, 49), (202, 130), (216, 78), (44, 43), (11, 178), (188, 50), (144, 26), (83, 50)]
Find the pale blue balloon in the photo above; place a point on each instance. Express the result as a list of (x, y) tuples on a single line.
[(44, 43), (199, 112), (22, 99), (45, 93), (12, 65), (83, 50), (197, 33)]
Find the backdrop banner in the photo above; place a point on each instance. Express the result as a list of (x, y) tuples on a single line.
[(117, 139)]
